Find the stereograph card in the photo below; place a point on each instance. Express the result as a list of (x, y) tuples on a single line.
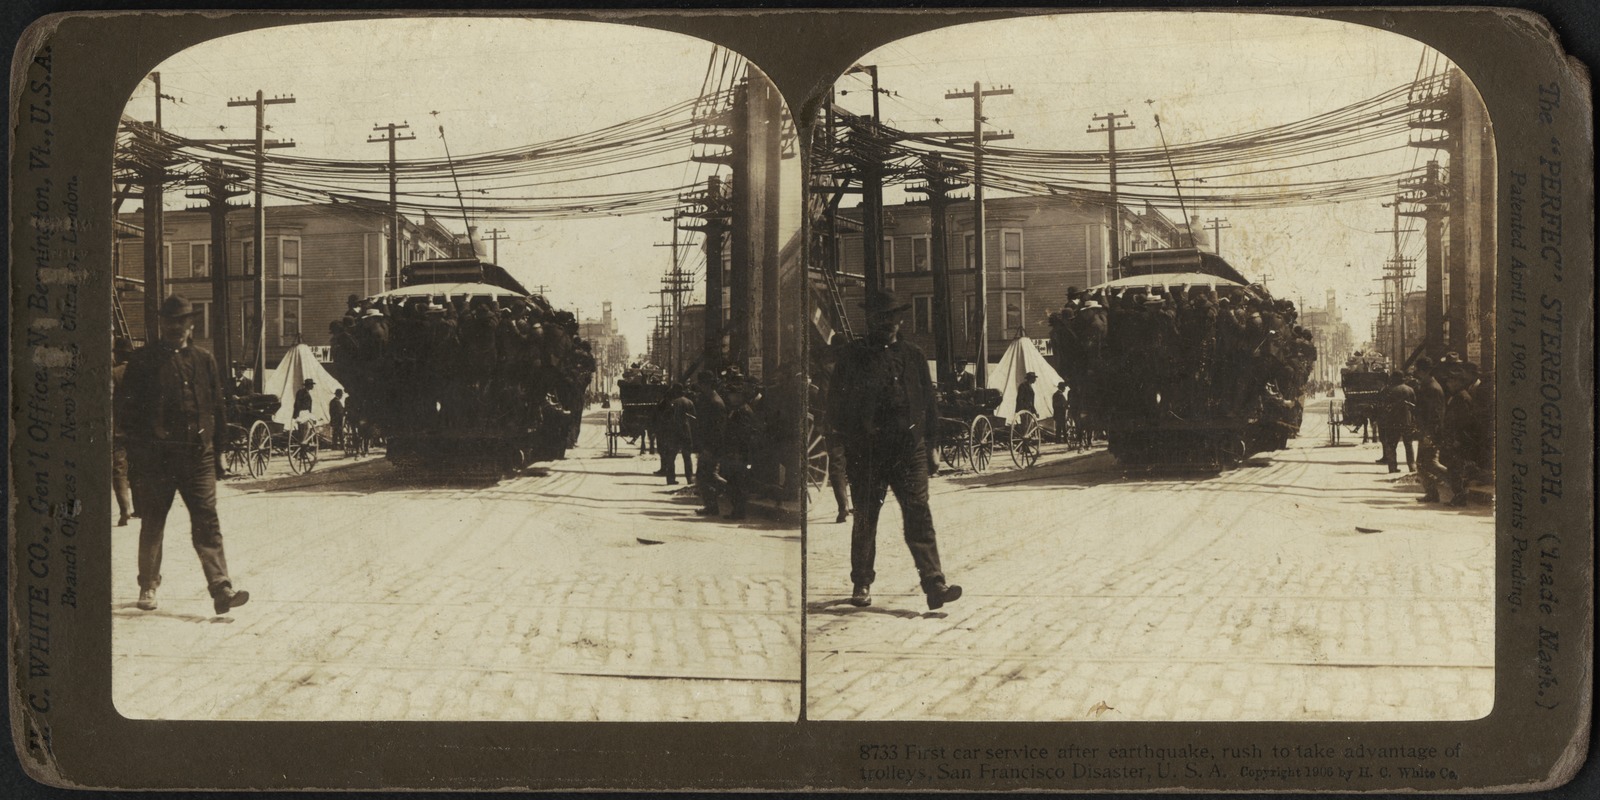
[(546, 395)]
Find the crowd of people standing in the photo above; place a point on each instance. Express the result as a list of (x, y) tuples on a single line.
[(419, 362), (1442, 415), (1183, 351)]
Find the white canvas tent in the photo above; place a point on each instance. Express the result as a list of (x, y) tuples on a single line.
[(297, 365), (1021, 358)]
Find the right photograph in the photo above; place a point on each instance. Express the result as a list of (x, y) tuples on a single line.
[(1152, 376)]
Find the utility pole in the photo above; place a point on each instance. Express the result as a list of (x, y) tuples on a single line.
[(495, 235), (261, 145), (1110, 129), (391, 138), (1397, 270), (981, 307), (712, 209), (218, 183), (1217, 226), (939, 180), (870, 148), (1429, 193)]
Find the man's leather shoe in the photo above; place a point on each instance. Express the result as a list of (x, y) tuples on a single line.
[(147, 600), (941, 594), (843, 515), (227, 599), (862, 596)]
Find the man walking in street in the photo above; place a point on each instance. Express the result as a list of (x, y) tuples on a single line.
[(1394, 421), (711, 414), (336, 417), (675, 437), (1025, 400), (1058, 410), (882, 404), (172, 411)]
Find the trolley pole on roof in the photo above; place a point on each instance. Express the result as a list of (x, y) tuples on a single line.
[(390, 137)]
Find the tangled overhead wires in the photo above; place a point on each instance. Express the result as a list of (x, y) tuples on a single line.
[(610, 161), (1358, 132)]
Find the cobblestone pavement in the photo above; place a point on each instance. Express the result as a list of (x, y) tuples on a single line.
[(375, 596), (1090, 594)]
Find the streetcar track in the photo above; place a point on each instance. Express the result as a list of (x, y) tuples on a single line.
[(957, 656), (289, 665)]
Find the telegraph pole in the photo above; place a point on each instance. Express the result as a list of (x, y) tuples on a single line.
[(495, 235), (712, 210), (218, 183), (1110, 129), (981, 307), (391, 138), (1217, 226), (940, 180), (1397, 270), (260, 103)]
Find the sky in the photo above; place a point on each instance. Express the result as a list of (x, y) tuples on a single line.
[(1208, 75), (495, 83)]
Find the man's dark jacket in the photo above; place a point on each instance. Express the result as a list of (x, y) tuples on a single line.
[(149, 388), (866, 376)]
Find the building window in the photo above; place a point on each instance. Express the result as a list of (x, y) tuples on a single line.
[(289, 266), (1013, 311), (247, 323), (971, 252), (887, 254), (969, 317), (200, 259), (247, 257), (1011, 240), (288, 321), (922, 313), (202, 319), (169, 266), (919, 253)]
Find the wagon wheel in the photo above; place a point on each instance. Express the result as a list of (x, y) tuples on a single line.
[(1025, 439), (233, 455), (816, 456), (258, 449), (1231, 450), (613, 432), (952, 444), (980, 443), (303, 451)]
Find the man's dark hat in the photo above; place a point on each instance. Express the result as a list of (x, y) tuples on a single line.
[(881, 302), (309, 382), (1031, 375), (176, 306)]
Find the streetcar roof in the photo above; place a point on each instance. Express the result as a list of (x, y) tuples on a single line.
[(449, 290), (1166, 279)]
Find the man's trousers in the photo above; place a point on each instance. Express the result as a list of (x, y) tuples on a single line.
[(874, 469), (158, 471)]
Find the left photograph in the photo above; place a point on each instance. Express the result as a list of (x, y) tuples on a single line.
[(458, 361)]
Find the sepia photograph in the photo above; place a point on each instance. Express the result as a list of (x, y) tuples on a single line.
[(1171, 336), (460, 342), (897, 395)]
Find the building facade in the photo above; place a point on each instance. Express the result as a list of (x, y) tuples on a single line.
[(1331, 334), (610, 348), (1035, 249), (316, 256)]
